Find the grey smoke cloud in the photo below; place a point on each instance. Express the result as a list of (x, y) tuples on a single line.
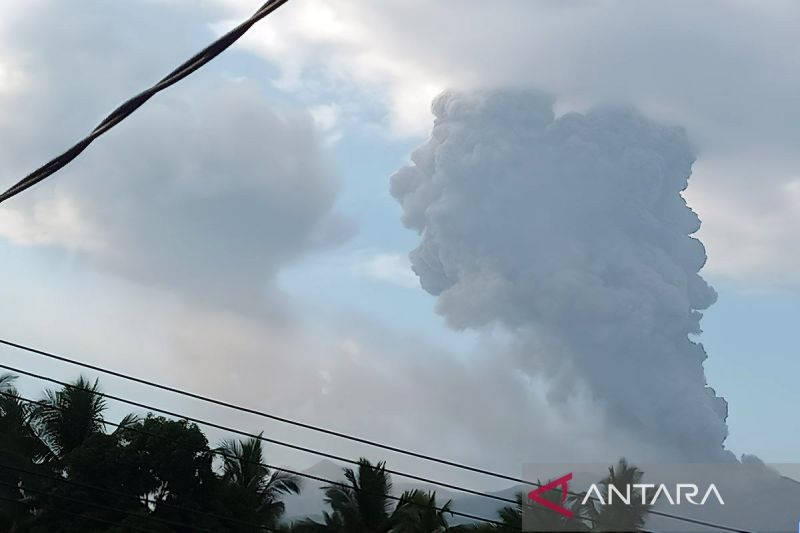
[(207, 190), (572, 234), (675, 61)]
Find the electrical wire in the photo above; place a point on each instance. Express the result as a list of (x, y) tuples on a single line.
[(120, 114), (220, 453), (134, 103), (254, 435), (308, 426), (266, 415), (324, 454)]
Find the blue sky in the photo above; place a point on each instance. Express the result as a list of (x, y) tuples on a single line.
[(295, 134), (753, 363), (748, 334)]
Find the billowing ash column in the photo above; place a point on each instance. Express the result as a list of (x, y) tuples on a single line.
[(572, 234)]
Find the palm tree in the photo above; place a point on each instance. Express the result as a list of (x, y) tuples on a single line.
[(7, 382), (257, 490), (359, 506), (537, 518), (619, 516), (418, 512), (364, 505), (65, 418), (18, 442), (19, 449)]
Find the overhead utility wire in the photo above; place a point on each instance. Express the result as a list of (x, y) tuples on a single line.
[(269, 416), (134, 103), (220, 453), (308, 426), (324, 454), (253, 435), (303, 425)]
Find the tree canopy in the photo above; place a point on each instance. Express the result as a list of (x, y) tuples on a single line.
[(64, 468)]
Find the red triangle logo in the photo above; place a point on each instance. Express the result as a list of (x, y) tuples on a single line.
[(563, 484)]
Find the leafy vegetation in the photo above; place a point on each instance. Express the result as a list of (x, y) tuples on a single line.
[(64, 469)]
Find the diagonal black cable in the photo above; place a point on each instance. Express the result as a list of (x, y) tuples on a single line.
[(131, 105), (331, 456), (145, 499), (223, 454), (67, 513), (269, 416), (255, 436), (321, 479), (308, 426)]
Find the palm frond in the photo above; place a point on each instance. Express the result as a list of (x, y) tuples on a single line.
[(7, 383), (66, 417)]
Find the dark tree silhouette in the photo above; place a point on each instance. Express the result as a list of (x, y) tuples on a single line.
[(418, 512), (20, 448), (157, 468), (618, 516), (538, 518), (67, 417), (253, 492), (361, 506), (144, 469)]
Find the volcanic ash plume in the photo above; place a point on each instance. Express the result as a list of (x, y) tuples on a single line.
[(571, 234)]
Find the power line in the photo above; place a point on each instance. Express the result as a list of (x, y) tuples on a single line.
[(325, 454), (158, 503), (254, 436), (305, 426), (223, 454), (274, 417), (118, 115), (134, 103), (269, 416)]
